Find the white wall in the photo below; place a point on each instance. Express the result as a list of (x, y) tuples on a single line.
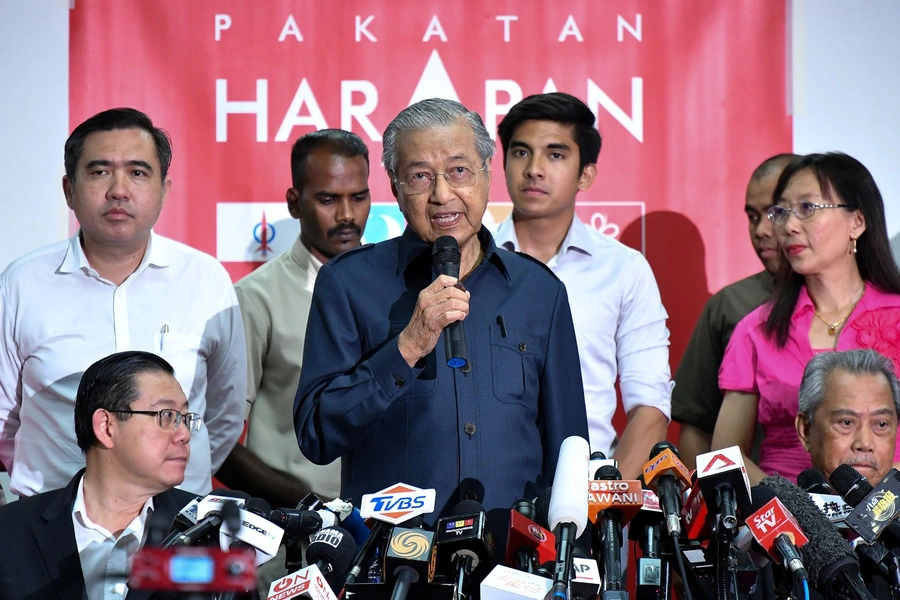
[(846, 82)]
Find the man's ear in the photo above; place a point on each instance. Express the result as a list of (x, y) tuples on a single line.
[(803, 426), (67, 190), (104, 425), (292, 195), (588, 173)]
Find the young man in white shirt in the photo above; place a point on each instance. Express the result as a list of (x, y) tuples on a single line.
[(550, 149), (114, 286), (133, 424)]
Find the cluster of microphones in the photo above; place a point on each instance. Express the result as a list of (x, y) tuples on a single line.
[(701, 535)]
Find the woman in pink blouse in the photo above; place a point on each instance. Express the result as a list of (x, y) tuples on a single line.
[(839, 289)]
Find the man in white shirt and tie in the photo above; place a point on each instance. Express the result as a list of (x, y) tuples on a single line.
[(550, 149), (114, 286)]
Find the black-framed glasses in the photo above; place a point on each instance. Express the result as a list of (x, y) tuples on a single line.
[(169, 418), (423, 181), (802, 210)]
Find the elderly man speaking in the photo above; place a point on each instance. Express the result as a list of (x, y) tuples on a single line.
[(376, 388)]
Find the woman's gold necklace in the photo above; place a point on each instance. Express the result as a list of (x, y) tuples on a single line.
[(833, 326)]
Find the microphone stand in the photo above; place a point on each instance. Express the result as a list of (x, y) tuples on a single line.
[(725, 579)]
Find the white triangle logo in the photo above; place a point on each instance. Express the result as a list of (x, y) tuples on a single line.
[(434, 82)]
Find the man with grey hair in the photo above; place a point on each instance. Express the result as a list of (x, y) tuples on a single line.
[(376, 389), (849, 410)]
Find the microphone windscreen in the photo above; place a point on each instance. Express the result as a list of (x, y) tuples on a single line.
[(569, 500), (761, 495), (826, 547), (467, 507), (542, 508), (814, 482), (333, 545), (661, 447), (608, 472), (850, 483), (258, 506), (445, 256)]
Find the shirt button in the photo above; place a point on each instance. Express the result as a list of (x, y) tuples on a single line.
[(470, 428), (398, 382), (523, 347)]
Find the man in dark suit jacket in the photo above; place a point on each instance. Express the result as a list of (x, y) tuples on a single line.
[(132, 423)]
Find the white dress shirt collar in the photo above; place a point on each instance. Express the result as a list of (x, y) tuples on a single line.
[(577, 239), (75, 258)]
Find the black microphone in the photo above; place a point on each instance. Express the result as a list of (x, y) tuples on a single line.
[(207, 525), (829, 559), (445, 256), (609, 536), (813, 482), (331, 550), (463, 544), (875, 511), (407, 558)]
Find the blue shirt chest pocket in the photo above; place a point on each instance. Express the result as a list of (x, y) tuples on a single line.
[(516, 361)]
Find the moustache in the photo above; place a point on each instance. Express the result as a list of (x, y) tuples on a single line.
[(345, 228)]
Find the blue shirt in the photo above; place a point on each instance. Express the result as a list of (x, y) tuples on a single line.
[(492, 433)]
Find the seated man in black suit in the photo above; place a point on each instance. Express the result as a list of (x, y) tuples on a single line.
[(133, 425)]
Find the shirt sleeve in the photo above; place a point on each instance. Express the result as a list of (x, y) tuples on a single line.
[(562, 408), (226, 386), (341, 393), (10, 377), (642, 343), (738, 370), (696, 399), (257, 331)]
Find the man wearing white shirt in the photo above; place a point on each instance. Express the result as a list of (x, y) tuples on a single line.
[(550, 149), (133, 425), (114, 286)]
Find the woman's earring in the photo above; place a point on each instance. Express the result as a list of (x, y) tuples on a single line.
[(854, 245)]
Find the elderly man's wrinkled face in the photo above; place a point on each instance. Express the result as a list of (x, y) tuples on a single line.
[(455, 201), (855, 425)]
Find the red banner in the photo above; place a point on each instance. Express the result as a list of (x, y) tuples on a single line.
[(690, 97)]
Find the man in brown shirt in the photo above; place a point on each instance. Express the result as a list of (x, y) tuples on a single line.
[(696, 399)]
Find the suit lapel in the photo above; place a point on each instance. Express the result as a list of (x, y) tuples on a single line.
[(56, 543)]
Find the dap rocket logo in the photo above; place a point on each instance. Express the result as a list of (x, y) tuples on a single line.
[(397, 503), (264, 234)]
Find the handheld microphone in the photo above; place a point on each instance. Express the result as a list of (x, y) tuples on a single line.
[(209, 515), (185, 519), (725, 485), (598, 459), (331, 550), (568, 508), (528, 545), (463, 544), (618, 496), (667, 476), (652, 577), (828, 557), (407, 558), (445, 256), (875, 509), (588, 582), (776, 530)]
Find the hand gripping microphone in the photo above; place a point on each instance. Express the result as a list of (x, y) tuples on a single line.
[(462, 545), (331, 550), (876, 509), (623, 497), (667, 476), (568, 508), (827, 556), (445, 256), (776, 531), (725, 485)]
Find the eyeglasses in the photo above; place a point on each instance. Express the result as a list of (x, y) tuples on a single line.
[(169, 418), (801, 210), (421, 182)]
